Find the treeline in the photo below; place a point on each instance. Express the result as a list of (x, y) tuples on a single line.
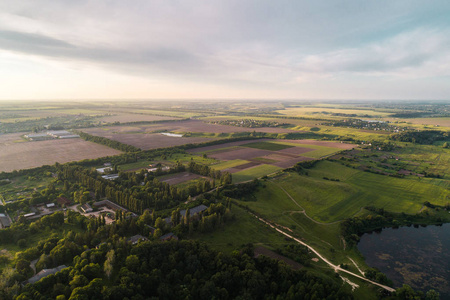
[(145, 122), (353, 228), (223, 177), (421, 137), (242, 190), (214, 217), (49, 123), (107, 142), (302, 167), (179, 270), (140, 191)]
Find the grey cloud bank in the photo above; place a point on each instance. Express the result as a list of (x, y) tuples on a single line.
[(242, 45)]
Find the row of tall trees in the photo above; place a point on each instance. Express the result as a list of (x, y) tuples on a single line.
[(107, 142)]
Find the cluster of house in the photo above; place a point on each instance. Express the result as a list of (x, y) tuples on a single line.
[(58, 134), (41, 210), (106, 169)]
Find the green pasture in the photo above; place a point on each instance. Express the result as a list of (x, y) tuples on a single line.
[(354, 133), (267, 146), (328, 201), (229, 164), (316, 151), (140, 164), (169, 113), (224, 149), (255, 172), (326, 112), (186, 158), (242, 230)]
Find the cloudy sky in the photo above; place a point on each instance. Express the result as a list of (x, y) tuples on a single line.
[(74, 49)]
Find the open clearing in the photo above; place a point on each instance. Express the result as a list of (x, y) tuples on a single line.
[(193, 126), (15, 153), (254, 172), (252, 159), (179, 178), (329, 201), (124, 118), (267, 146)]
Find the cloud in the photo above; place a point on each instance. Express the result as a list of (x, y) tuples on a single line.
[(407, 54), (233, 43)]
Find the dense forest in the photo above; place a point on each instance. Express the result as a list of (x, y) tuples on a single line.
[(421, 137)]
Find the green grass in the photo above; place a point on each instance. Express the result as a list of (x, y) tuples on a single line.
[(228, 164), (141, 164), (186, 158), (316, 151), (255, 172), (267, 146), (243, 230), (329, 201)]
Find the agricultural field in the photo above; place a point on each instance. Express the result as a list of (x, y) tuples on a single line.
[(149, 136), (126, 118), (248, 160), (333, 192), (21, 187), (405, 159), (16, 153), (326, 112)]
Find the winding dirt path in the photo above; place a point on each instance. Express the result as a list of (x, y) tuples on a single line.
[(335, 267), (303, 211)]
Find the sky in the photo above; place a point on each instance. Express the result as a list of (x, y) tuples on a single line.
[(208, 49)]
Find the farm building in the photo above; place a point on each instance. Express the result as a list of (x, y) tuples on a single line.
[(58, 133), (44, 273), (37, 137), (152, 229), (169, 236), (110, 177), (136, 238), (172, 134), (86, 208), (63, 201), (109, 204), (4, 221), (104, 170), (193, 211), (69, 136), (156, 169)]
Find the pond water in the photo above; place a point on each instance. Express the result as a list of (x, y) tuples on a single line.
[(419, 257)]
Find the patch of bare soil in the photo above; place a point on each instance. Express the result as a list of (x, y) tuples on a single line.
[(25, 155)]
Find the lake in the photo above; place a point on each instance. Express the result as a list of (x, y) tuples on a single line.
[(419, 257)]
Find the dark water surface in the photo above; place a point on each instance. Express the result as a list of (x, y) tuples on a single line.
[(419, 257)]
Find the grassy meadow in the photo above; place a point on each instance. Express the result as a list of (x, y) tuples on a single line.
[(255, 172)]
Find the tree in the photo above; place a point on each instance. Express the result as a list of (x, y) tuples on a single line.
[(109, 263), (132, 262), (445, 145)]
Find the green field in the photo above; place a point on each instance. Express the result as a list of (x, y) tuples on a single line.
[(243, 230), (329, 201), (267, 146), (255, 172), (229, 164)]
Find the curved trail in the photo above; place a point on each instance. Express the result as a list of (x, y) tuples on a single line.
[(303, 211), (335, 267)]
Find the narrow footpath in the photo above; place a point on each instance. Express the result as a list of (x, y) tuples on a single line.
[(335, 267)]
